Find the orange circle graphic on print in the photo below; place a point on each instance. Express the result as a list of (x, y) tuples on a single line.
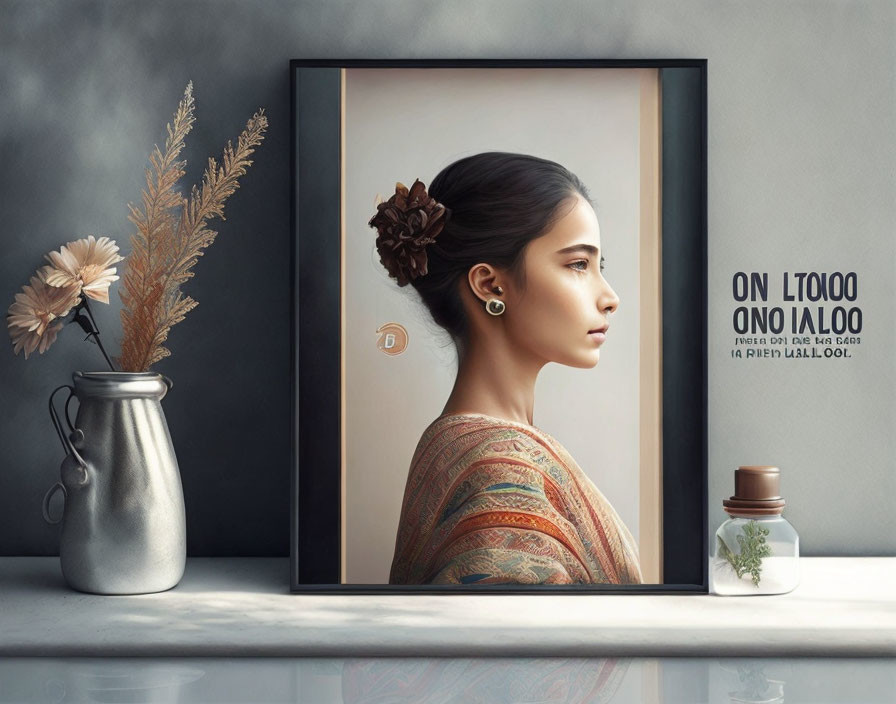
[(393, 338)]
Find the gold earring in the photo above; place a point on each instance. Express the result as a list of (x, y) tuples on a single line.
[(495, 306)]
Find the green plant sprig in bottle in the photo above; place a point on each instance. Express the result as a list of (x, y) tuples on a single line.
[(752, 549)]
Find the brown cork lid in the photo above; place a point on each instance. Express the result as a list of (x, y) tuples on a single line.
[(756, 491)]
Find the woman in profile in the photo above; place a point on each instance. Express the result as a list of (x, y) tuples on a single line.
[(504, 251)]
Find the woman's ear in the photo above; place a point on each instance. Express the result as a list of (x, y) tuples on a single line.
[(486, 282)]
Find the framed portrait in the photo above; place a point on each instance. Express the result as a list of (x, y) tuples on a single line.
[(604, 488)]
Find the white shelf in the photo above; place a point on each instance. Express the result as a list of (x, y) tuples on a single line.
[(844, 607)]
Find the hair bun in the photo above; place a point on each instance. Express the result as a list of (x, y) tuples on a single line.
[(405, 224)]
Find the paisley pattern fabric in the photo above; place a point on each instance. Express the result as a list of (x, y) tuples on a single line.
[(490, 501)]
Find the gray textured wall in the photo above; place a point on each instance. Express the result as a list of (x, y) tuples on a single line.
[(801, 154)]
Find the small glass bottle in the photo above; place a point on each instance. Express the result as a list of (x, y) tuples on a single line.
[(756, 551)]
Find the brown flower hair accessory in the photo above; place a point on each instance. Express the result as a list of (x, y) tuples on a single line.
[(405, 224)]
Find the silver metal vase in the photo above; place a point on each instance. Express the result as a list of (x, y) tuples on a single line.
[(123, 523)]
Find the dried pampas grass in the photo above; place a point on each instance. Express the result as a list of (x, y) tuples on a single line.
[(171, 235)]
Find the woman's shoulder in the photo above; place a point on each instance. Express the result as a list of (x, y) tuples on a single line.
[(467, 441), (482, 429)]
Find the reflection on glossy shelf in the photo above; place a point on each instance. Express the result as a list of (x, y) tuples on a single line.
[(444, 680)]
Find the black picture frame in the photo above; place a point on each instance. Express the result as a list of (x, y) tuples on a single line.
[(315, 490)]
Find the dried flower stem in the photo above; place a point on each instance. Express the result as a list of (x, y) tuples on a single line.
[(218, 183), (171, 234), (152, 244), (96, 333)]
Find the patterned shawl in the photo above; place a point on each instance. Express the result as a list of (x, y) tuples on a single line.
[(490, 501)]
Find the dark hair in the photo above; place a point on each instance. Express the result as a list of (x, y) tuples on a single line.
[(498, 203)]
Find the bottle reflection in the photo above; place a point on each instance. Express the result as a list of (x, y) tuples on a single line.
[(756, 688)]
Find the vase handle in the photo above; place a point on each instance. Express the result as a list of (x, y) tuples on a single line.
[(66, 441), (53, 489)]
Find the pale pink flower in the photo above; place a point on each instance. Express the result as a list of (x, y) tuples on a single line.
[(29, 318), (86, 262)]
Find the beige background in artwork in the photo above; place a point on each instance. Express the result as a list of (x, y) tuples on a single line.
[(402, 124)]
